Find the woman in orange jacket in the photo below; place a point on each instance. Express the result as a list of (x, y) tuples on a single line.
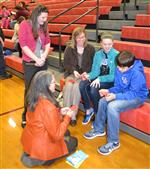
[(43, 138)]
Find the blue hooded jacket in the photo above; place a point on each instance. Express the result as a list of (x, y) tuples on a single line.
[(130, 84)]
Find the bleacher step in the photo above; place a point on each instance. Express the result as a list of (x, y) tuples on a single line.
[(114, 24), (130, 14), (91, 34)]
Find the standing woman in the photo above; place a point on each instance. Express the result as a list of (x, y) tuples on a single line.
[(78, 58), (35, 43)]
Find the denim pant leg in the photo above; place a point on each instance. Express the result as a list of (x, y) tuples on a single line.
[(95, 96), (84, 87), (114, 109), (94, 93), (100, 119)]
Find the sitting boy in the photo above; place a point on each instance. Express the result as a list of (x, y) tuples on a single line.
[(129, 92)]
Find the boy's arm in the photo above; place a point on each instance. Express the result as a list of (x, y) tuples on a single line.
[(137, 84)]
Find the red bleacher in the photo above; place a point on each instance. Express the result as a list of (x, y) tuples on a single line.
[(9, 44), (148, 9), (88, 19), (55, 39), (59, 5), (142, 20), (103, 10), (136, 33), (138, 118), (140, 50), (56, 27), (14, 62)]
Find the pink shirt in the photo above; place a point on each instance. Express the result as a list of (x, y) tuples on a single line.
[(5, 14), (26, 38)]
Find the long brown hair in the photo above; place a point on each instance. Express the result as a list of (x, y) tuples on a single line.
[(77, 31), (33, 18), (39, 87)]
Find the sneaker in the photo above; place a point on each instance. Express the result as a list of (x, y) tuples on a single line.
[(92, 134), (87, 118), (108, 148)]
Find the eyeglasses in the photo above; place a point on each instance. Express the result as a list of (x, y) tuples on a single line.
[(80, 38)]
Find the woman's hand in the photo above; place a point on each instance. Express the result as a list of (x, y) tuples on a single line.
[(95, 83), (64, 110), (69, 113), (84, 76), (43, 55), (39, 62)]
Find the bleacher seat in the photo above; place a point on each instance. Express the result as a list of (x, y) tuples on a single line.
[(14, 62), (8, 44), (148, 9), (103, 10), (56, 27), (142, 20), (88, 19), (138, 118), (140, 50), (136, 33)]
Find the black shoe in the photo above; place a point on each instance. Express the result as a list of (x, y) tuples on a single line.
[(5, 76), (23, 124), (73, 123)]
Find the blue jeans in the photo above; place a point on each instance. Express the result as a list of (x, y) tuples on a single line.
[(111, 111), (91, 94)]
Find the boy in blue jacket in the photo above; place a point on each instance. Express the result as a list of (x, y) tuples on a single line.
[(129, 92)]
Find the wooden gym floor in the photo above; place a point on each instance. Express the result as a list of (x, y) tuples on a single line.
[(132, 153)]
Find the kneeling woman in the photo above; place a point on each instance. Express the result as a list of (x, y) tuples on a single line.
[(44, 138)]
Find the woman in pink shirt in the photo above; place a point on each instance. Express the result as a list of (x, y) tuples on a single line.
[(5, 17), (35, 43)]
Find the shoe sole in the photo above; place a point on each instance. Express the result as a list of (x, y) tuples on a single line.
[(88, 120), (90, 138), (108, 152)]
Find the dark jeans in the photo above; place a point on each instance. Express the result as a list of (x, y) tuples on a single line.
[(91, 94), (71, 143), (29, 71), (2, 61)]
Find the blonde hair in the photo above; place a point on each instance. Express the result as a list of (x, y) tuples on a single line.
[(77, 31), (106, 35)]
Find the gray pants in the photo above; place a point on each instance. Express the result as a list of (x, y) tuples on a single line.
[(71, 94)]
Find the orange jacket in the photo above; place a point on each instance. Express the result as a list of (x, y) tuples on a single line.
[(43, 136)]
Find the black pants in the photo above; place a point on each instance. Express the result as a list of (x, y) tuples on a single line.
[(71, 143), (29, 71), (2, 61)]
